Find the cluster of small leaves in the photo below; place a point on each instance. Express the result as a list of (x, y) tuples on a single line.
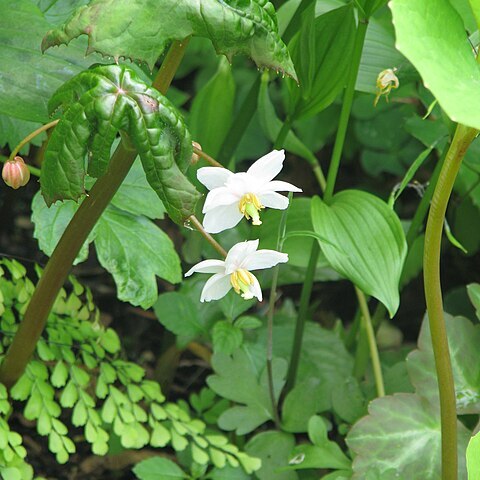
[(78, 369)]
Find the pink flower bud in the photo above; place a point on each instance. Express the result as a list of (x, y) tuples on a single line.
[(15, 173)]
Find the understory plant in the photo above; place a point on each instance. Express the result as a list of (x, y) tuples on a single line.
[(208, 138)]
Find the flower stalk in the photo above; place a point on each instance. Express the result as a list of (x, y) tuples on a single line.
[(77, 231), (433, 296)]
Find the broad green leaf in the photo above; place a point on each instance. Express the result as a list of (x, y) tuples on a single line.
[(348, 400), (134, 251), (274, 449), (324, 453), (212, 110), (178, 313), (97, 104), (226, 337), (473, 458), (321, 53), (369, 243), (141, 29), (432, 36), (463, 340), (50, 223), (237, 379), (402, 433), (158, 468), (31, 78)]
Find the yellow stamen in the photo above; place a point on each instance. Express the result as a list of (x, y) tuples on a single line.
[(249, 206), (241, 280)]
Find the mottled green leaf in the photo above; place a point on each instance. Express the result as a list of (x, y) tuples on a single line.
[(402, 432), (134, 251), (97, 104), (432, 36), (366, 242), (141, 29), (463, 341)]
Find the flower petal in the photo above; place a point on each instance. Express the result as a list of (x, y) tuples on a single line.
[(207, 266), (262, 259), (221, 218), (256, 289), (279, 186), (273, 200), (218, 197), (213, 177), (238, 253), (217, 286), (267, 167)]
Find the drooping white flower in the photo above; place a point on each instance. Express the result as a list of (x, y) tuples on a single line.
[(235, 271), (236, 195)]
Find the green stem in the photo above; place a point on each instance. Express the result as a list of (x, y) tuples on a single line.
[(346, 109), (207, 157), (302, 317), (282, 134), (198, 225), (77, 231), (367, 324), (282, 228), (433, 296)]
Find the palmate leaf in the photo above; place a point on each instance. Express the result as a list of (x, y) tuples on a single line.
[(140, 29), (97, 104)]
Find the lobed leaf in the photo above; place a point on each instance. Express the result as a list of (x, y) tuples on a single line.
[(99, 103), (141, 29)]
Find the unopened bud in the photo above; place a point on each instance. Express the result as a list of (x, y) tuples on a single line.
[(15, 173), (195, 157)]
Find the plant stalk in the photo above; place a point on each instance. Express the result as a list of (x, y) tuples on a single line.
[(433, 296), (372, 344), (77, 231), (198, 226), (206, 157)]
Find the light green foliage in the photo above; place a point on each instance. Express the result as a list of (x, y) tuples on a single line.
[(212, 110), (97, 104), (474, 294), (131, 247), (324, 453), (432, 36), (236, 378), (78, 368), (366, 243), (157, 468), (473, 458), (321, 52), (147, 27), (401, 433)]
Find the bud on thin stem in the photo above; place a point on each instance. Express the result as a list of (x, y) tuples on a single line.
[(15, 173)]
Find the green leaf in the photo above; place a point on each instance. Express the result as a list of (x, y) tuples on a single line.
[(324, 453), (226, 337), (473, 458), (402, 433), (321, 54), (474, 294), (134, 250), (32, 77), (273, 448), (463, 340), (370, 245), (157, 468), (97, 104), (237, 379), (212, 110), (178, 313), (432, 36), (248, 27)]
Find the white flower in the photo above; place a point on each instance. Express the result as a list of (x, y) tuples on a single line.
[(235, 271), (235, 195)]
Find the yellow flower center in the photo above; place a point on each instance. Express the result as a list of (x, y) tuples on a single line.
[(250, 207), (241, 280)]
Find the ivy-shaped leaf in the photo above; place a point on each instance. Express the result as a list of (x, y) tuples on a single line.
[(141, 29), (97, 104)]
